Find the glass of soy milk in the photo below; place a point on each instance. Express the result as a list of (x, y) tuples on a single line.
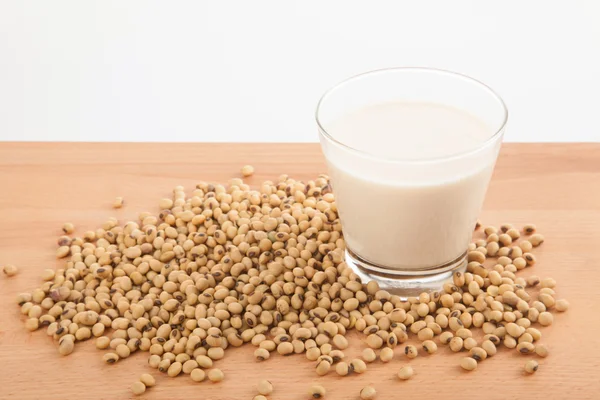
[(410, 153)]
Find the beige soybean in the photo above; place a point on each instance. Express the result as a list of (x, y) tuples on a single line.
[(429, 346), (525, 348), (188, 366), (102, 342), (463, 333), (123, 351), (369, 355), (323, 367), (32, 324), (264, 387), (10, 270), (317, 391), (469, 343), (456, 344), (405, 373), (343, 368), (411, 351), (526, 246), (529, 229), (531, 366), (548, 283), (425, 334), (198, 375), (561, 305), (311, 354), (358, 366), (446, 337), (468, 363), (510, 342), (541, 350), (215, 375), (374, 341), (368, 393), (174, 369), (148, 380), (118, 202), (66, 346), (536, 239), (489, 347), (285, 348), (545, 318), (262, 355), (336, 356), (165, 204), (387, 354), (340, 342), (325, 348), (110, 358), (68, 228), (138, 388), (478, 354), (247, 170), (216, 353)]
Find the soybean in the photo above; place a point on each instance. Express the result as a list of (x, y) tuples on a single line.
[(561, 305), (468, 363), (10, 270), (215, 375), (342, 368), (118, 203), (261, 354), (66, 346), (358, 366), (405, 373), (446, 337), (369, 355), (323, 367), (545, 318), (264, 387), (541, 350), (456, 344), (317, 391), (411, 351), (478, 354), (429, 346), (368, 393), (138, 388), (529, 229), (197, 375), (531, 366), (247, 170), (387, 354), (489, 347), (148, 380), (68, 228), (110, 358)]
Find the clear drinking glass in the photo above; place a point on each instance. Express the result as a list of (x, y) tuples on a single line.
[(409, 196)]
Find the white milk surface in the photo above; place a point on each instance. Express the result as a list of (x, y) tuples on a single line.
[(426, 217)]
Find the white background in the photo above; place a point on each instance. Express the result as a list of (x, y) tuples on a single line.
[(253, 70)]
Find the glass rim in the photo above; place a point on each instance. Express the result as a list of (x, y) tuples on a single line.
[(439, 71)]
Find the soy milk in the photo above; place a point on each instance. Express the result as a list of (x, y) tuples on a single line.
[(403, 206)]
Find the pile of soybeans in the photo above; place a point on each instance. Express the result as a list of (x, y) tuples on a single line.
[(228, 265)]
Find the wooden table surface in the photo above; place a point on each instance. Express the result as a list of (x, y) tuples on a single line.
[(556, 186)]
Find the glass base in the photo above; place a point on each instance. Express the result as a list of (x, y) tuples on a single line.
[(406, 283)]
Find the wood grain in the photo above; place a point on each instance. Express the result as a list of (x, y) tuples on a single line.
[(556, 186)]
